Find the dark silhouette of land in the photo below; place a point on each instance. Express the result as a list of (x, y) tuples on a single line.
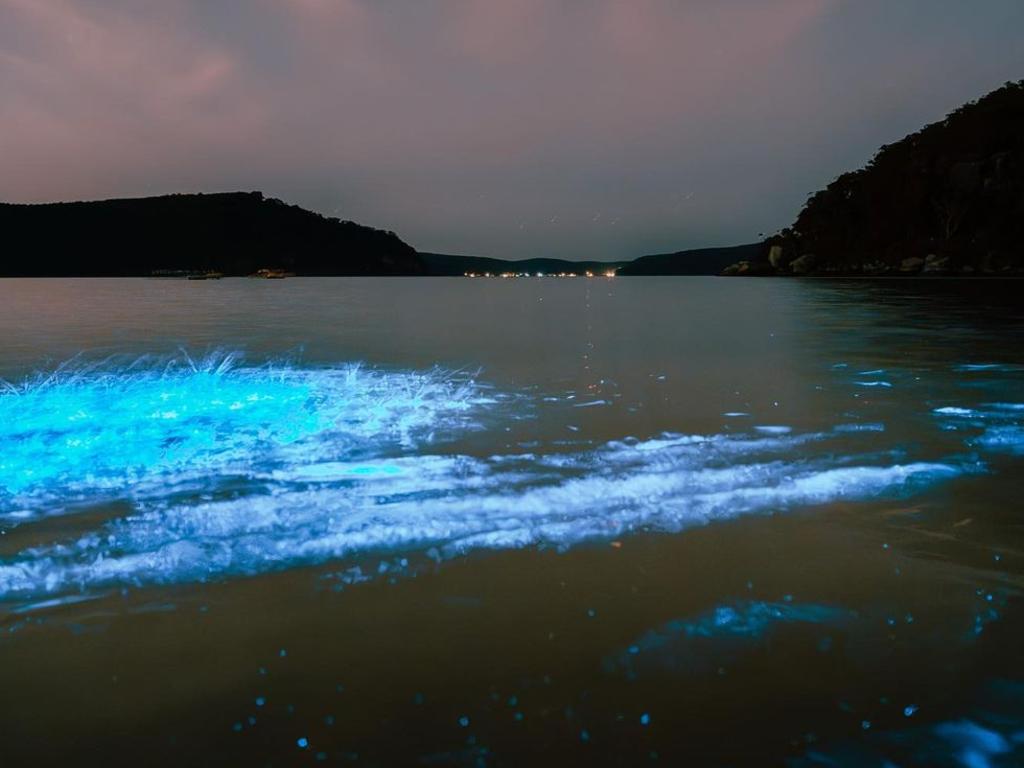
[(245, 233), (948, 199), (234, 233), (700, 261)]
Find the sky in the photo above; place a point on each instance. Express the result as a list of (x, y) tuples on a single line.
[(602, 129)]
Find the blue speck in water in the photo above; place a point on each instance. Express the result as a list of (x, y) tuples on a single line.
[(512, 701), (464, 721), (865, 724), (282, 653), (303, 742), (645, 719), (329, 720), (237, 727), (418, 698), (518, 717), (260, 701), (591, 612), (634, 649), (584, 735), (909, 710)]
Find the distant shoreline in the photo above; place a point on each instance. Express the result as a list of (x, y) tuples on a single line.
[(858, 278), (946, 202)]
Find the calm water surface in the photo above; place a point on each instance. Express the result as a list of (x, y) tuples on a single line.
[(683, 521)]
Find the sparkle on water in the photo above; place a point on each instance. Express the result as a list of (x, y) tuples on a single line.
[(230, 469)]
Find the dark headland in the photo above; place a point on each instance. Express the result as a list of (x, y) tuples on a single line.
[(946, 200), (235, 233)]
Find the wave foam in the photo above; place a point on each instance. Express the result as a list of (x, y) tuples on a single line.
[(231, 470)]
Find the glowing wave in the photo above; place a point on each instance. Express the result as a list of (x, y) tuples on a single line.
[(80, 435), (994, 427), (232, 470)]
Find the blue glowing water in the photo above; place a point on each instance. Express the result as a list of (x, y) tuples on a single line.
[(237, 470), (394, 549), (107, 430)]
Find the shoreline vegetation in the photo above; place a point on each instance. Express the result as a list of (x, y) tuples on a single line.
[(946, 201)]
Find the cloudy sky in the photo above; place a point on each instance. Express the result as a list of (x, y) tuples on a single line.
[(510, 128)]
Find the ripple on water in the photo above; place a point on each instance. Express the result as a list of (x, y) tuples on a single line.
[(241, 470)]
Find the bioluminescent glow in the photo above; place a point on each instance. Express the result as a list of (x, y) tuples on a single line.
[(975, 746), (681, 644), (989, 735), (82, 434), (994, 427), (989, 367), (741, 619), (868, 427), (226, 470)]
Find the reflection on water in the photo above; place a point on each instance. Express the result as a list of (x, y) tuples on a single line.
[(517, 521)]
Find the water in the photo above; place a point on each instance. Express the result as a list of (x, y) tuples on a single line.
[(488, 522)]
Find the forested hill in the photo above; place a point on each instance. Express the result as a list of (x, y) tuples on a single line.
[(234, 233), (948, 199), (699, 261)]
